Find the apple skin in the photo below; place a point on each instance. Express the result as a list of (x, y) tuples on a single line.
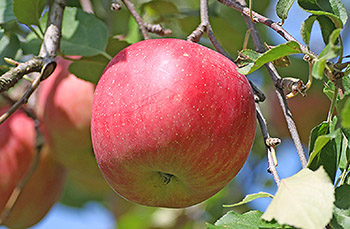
[(17, 151), (64, 107), (172, 122), (40, 193)]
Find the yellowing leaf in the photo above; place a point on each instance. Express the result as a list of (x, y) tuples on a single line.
[(304, 200)]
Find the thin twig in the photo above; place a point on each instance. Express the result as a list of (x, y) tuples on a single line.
[(10, 78), (22, 100), (263, 127), (288, 116), (205, 27), (44, 63), (157, 29), (260, 47), (241, 6), (137, 17)]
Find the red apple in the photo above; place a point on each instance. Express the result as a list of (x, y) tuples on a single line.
[(39, 194), (64, 106), (172, 122), (17, 151)]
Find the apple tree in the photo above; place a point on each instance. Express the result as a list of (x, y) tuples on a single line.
[(172, 122)]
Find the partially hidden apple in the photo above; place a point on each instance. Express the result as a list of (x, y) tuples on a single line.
[(172, 122), (17, 152), (64, 107), (40, 193)]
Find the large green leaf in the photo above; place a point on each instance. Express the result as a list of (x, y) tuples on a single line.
[(6, 11), (83, 34), (327, 27), (341, 214), (248, 220), (29, 11), (304, 200), (291, 47), (91, 68), (334, 9)]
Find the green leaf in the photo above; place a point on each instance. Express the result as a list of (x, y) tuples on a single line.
[(324, 149), (249, 198), (304, 200), (9, 45), (29, 11), (83, 34), (339, 10), (6, 11), (341, 214), (283, 7), (327, 27), (154, 11), (91, 68), (134, 34), (329, 52), (306, 27), (323, 7), (248, 220), (291, 47), (345, 114), (344, 159)]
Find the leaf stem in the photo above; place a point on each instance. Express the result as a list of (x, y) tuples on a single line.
[(35, 32), (332, 106)]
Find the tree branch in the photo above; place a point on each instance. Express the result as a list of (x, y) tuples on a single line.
[(260, 47), (269, 147), (241, 6), (205, 27), (137, 17), (44, 63)]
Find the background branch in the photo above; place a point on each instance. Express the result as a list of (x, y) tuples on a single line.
[(137, 17), (269, 148), (241, 6), (205, 26), (260, 47)]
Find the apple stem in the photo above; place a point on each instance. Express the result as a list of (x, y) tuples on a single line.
[(166, 177)]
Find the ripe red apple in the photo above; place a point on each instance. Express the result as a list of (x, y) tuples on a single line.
[(39, 194), (17, 151), (172, 122), (64, 107)]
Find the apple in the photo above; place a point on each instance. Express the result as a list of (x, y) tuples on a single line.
[(17, 151), (40, 193), (64, 107), (172, 122)]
